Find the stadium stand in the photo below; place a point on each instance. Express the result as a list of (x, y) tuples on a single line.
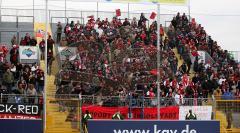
[(116, 58), (20, 79)]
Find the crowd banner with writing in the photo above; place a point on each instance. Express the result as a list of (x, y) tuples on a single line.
[(29, 54), (182, 2), (202, 112), (167, 113), (20, 111), (135, 126), (67, 52)]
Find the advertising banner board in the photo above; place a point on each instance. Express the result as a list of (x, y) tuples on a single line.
[(202, 112), (20, 111), (166, 113), (21, 126), (111, 126)]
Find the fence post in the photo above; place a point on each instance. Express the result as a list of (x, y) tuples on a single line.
[(80, 112), (128, 11), (214, 107), (0, 11), (16, 21), (142, 113), (1, 97), (97, 10), (130, 106)]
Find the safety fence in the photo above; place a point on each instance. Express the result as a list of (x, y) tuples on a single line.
[(228, 112), (141, 108)]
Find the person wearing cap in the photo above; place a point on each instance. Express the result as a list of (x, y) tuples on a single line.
[(191, 116), (117, 116)]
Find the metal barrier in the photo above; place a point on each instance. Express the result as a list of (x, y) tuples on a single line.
[(228, 108), (21, 98), (133, 107)]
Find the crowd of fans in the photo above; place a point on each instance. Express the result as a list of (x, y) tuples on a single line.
[(116, 58), (19, 82)]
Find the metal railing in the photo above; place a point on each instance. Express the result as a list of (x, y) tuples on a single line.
[(21, 99), (131, 101)]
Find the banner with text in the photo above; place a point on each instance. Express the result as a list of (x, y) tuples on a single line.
[(19, 111), (112, 126), (67, 52), (202, 112), (166, 113)]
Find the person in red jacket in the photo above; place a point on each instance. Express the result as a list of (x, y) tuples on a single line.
[(50, 43), (42, 48)]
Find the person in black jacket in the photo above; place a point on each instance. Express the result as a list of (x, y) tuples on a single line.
[(142, 20), (33, 41), (126, 22)]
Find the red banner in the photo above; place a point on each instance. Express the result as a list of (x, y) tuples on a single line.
[(18, 116), (166, 113)]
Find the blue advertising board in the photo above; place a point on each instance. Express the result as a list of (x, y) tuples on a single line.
[(20, 126), (104, 126)]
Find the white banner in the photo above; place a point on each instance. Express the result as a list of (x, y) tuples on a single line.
[(28, 52), (201, 56), (202, 112), (69, 52)]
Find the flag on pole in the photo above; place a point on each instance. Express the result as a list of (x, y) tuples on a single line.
[(118, 12), (153, 15)]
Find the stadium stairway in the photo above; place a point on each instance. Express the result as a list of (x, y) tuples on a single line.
[(55, 120), (223, 123)]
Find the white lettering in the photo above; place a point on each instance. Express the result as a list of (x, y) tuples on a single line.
[(165, 131), (8, 109), (193, 131), (28, 109), (188, 131), (156, 130), (131, 131), (2, 110), (36, 110), (21, 109)]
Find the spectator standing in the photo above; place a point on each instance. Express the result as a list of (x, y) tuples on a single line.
[(31, 93), (33, 42), (8, 80), (59, 31), (40, 81), (27, 39), (14, 53), (126, 22), (50, 43), (14, 40), (42, 48)]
